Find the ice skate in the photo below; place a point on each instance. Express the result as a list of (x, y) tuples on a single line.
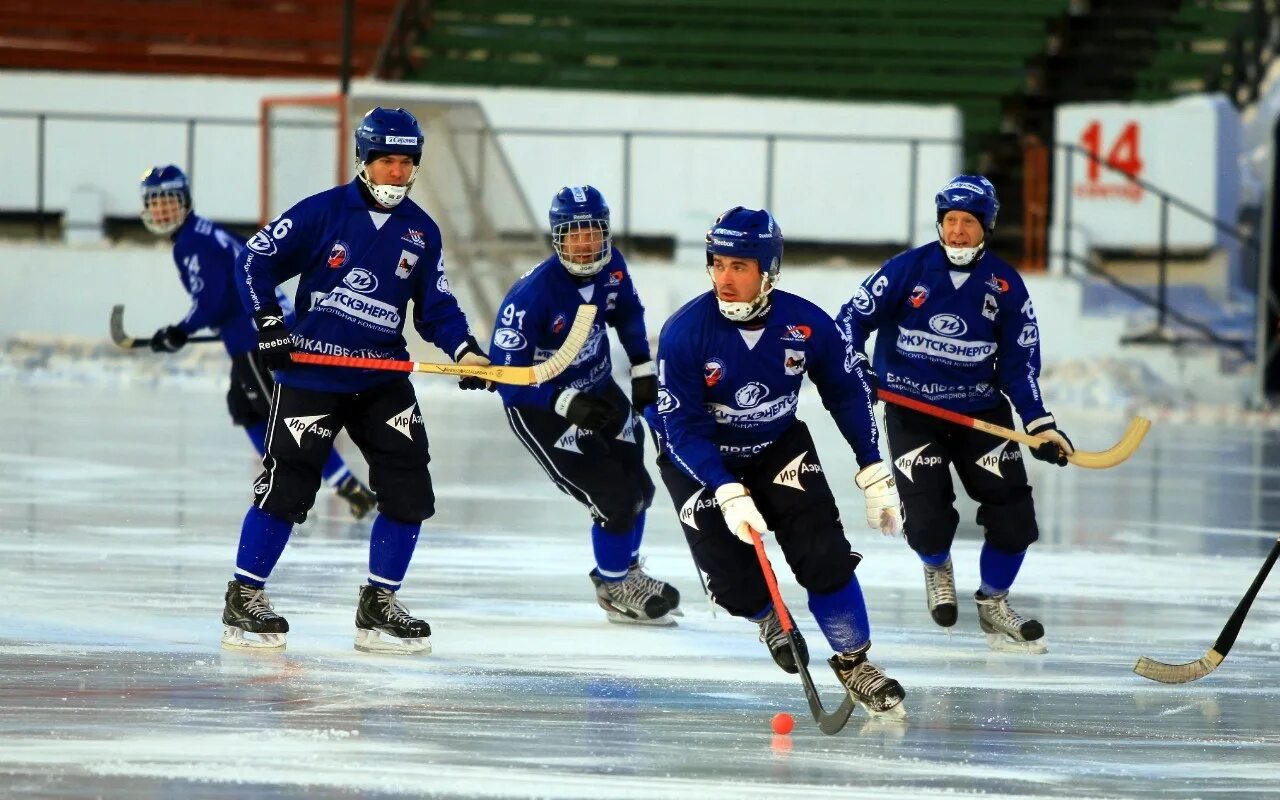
[(360, 500), (631, 600), (379, 614), (661, 588), (249, 622), (940, 593), (868, 685), (1008, 631), (775, 638)]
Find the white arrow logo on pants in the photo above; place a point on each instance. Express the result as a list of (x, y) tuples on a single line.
[(905, 462)]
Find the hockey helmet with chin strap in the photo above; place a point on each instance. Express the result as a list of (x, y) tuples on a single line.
[(581, 210), (166, 199), (975, 195), (384, 132), (747, 233)]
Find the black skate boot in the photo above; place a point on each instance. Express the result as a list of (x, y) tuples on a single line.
[(775, 638), (1008, 631), (631, 600), (379, 613), (249, 622), (867, 684), (654, 586), (358, 497), (940, 593)]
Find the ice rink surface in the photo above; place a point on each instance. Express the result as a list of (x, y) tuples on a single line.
[(121, 511)]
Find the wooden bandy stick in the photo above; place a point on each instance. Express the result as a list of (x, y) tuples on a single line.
[(1102, 459)]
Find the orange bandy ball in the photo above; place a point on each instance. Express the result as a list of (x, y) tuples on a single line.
[(783, 723)]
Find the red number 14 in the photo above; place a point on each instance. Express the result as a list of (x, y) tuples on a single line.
[(1123, 154)]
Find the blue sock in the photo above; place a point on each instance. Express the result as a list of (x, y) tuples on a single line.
[(637, 536), (936, 560), (335, 469), (257, 434), (262, 540), (842, 616), (391, 547), (998, 569), (613, 552)]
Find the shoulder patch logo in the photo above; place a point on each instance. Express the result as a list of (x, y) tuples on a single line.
[(798, 333), (414, 238), (998, 285), (509, 339)]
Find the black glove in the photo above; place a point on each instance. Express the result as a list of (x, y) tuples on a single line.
[(478, 356), (168, 340), (644, 385), (274, 341), (590, 411), (1057, 449)]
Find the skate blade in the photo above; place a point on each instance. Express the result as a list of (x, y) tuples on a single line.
[(1000, 643), (237, 639), (897, 713), (372, 642), (675, 612), (664, 621)]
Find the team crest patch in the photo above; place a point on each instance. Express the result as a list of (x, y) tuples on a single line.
[(407, 262), (338, 254), (793, 362), (615, 277), (798, 333), (557, 325), (415, 238), (998, 285), (918, 295), (713, 372)]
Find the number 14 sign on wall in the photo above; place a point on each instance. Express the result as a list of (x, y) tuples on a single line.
[(1187, 148)]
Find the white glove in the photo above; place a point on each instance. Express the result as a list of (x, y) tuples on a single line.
[(880, 490), (740, 512)]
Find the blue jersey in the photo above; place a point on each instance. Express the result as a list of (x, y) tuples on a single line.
[(948, 344), (359, 267), (205, 254), (727, 391), (534, 319)]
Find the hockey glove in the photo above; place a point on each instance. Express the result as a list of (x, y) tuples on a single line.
[(1056, 450), (740, 512), (274, 342), (644, 386), (591, 412), (472, 356), (880, 492), (168, 340)]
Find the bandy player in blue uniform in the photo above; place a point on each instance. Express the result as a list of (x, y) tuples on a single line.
[(956, 328), (730, 366), (580, 427), (205, 255), (363, 251)]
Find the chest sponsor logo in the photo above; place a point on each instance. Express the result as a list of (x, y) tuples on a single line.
[(797, 333), (362, 280), (568, 440), (749, 396), (948, 325), (415, 238), (406, 264), (743, 450), (990, 307), (297, 426), (667, 402), (712, 372), (762, 414), (406, 420), (366, 309), (863, 303), (790, 474), (1002, 454), (918, 295), (509, 339), (943, 348), (998, 285), (916, 458), (557, 325), (338, 253), (698, 501), (793, 362), (1030, 335)]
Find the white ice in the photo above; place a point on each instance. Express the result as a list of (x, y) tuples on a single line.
[(120, 507)]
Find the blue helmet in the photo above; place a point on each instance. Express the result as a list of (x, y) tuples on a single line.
[(975, 195), (576, 209), (386, 131), (747, 233), (166, 198)]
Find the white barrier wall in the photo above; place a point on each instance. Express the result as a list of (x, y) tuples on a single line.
[(822, 191)]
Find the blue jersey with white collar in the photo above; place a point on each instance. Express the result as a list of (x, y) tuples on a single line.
[(534, 319), (727, 391), (205, 254), (951, 345), (359, 267)]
